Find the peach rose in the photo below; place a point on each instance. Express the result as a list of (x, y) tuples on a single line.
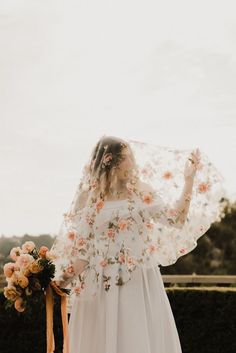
[(19, 305), (35, 267), (23, 281), (24, 260), (8, 269), (28, 246), (15, 252), (13, 280), (11, 293), (122, 224), (43, 250)]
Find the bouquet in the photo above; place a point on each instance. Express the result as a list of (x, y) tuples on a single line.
[(30, 274)]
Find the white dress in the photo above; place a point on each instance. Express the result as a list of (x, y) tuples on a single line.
[(135, 317)]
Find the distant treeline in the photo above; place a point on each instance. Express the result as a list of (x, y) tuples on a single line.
[(215, 253)]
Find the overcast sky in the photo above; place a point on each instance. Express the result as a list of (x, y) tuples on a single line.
[(161, 72)]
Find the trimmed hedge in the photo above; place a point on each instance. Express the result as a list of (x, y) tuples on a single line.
[(205, 319)]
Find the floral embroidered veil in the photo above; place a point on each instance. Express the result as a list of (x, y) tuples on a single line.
[(138, 228)]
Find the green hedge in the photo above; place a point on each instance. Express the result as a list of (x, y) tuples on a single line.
[(205, 319)]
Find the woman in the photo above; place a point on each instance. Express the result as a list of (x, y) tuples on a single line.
[(118, 232)]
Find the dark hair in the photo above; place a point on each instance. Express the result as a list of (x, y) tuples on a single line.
[(108, 146)]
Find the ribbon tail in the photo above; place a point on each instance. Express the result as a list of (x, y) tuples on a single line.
[(65, 324), (49, 320)]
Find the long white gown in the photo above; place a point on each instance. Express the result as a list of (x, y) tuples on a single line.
[(119, 303), (133, 318)]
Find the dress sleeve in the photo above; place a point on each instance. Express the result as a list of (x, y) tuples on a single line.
[(174, 239), (74, 246), (164, 213)]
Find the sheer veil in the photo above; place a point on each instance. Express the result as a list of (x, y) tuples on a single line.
[(154, 167)]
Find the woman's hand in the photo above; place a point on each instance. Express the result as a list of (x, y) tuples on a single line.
[(192, 165)]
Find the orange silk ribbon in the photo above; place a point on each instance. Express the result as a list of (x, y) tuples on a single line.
[(49, 318)]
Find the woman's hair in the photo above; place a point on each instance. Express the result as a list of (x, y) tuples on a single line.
[(105, 159)]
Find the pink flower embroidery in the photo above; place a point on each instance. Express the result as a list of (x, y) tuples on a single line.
[(81, 242), (182, 251), (203, 187), (152, 248), (167, 175), (148, 198), (70, 269), (121, 258), (172, 212), (104, 263), (149, 225), (71, 235), (122, 224), (111, 233), (99, 205)]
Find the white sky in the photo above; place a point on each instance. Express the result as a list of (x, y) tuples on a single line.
[(161, 72)]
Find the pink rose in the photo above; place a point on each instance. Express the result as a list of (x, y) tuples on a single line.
[(11, 293), (24, 260), (43, 250), (8, 269), (23, 281), (28, 246), (15, 252)]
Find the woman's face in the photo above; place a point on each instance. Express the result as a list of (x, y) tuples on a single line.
[(126, 166)]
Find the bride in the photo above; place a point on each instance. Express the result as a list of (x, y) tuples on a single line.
[(124, 222)]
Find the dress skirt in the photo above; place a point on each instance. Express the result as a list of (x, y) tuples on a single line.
[(133, 318)]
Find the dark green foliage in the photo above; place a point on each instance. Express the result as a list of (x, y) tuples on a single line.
[(26, 332), (205, 320)]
